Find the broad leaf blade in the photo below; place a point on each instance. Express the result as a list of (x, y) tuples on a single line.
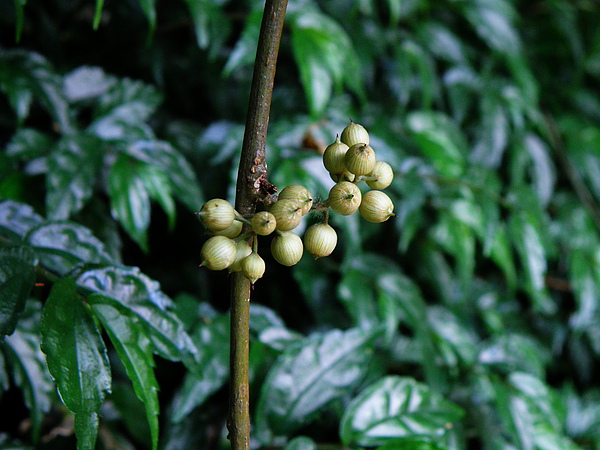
[(28, 365), (16, 219), (77, 358), (17, 277), (129, 199), (169, 161), (135, 352), (62, 245), (143, 297), (396, 407), (311, 374), (72, 170), (212, 340)]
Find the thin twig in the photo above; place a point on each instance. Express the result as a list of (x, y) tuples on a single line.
[(251, 186)]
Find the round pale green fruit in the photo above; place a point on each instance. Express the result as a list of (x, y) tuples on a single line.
[(355, 134), (218, 253), (217, 214), (298, 193), (320, 239), (360, 159), (253, 267), (376, 207), (344, 198), (384, 173), (287, 248), (288, 214), (263, 223)]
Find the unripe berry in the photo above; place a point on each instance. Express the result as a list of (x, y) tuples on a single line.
[(376, 207), (263, 223), (320, 240), (360, 159), (298, 193), (344, 176), (355, 134), (288, 214), (344, 198), (218, 253), (233, 231), (242, 249), (333, 158), (217, 214), (384, 173), (287, 248), (253, 267)]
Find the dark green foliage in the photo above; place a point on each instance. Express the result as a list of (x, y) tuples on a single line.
[(470, 320)]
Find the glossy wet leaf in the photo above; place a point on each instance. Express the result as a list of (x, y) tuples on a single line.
[(439, 141), (212, 341), (169, 163), (311, 374), (17, 218), (135, 352), (325, 57), (141, 297), (73, 166), (301, 443), (17, 276), (28, 366), (76, 357), (126, 106), (397, 407), (29, 143), (63, 245), (28, 76)]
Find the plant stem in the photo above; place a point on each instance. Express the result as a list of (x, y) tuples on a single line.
[(251, 186)]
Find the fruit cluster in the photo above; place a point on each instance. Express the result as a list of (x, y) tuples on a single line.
[(349, 160)]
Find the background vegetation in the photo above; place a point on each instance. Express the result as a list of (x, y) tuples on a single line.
[(471, 320)]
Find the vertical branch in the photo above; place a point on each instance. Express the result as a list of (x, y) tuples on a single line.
[(251, 178)]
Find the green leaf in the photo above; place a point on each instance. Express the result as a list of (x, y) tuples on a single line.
[(77, 358), (492, 20), (162, 156), (439, 141), (148, 6), (453, 334), (493, 132), (122, 111), (87, 83), (129, 199), (63, 245), (141, 296), (396, 407), (411, 444), (135, 352), (310, 375), (514, 352), (212, 341), (28, 365), (16, 219), (72, 170), (458, 239), (17, 276), (301, 443), (132, 184), (25, 76), (28, 143), (584, 273), (98, 13), (325, 58), (244, 51), (210, 23), (530, 248)]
